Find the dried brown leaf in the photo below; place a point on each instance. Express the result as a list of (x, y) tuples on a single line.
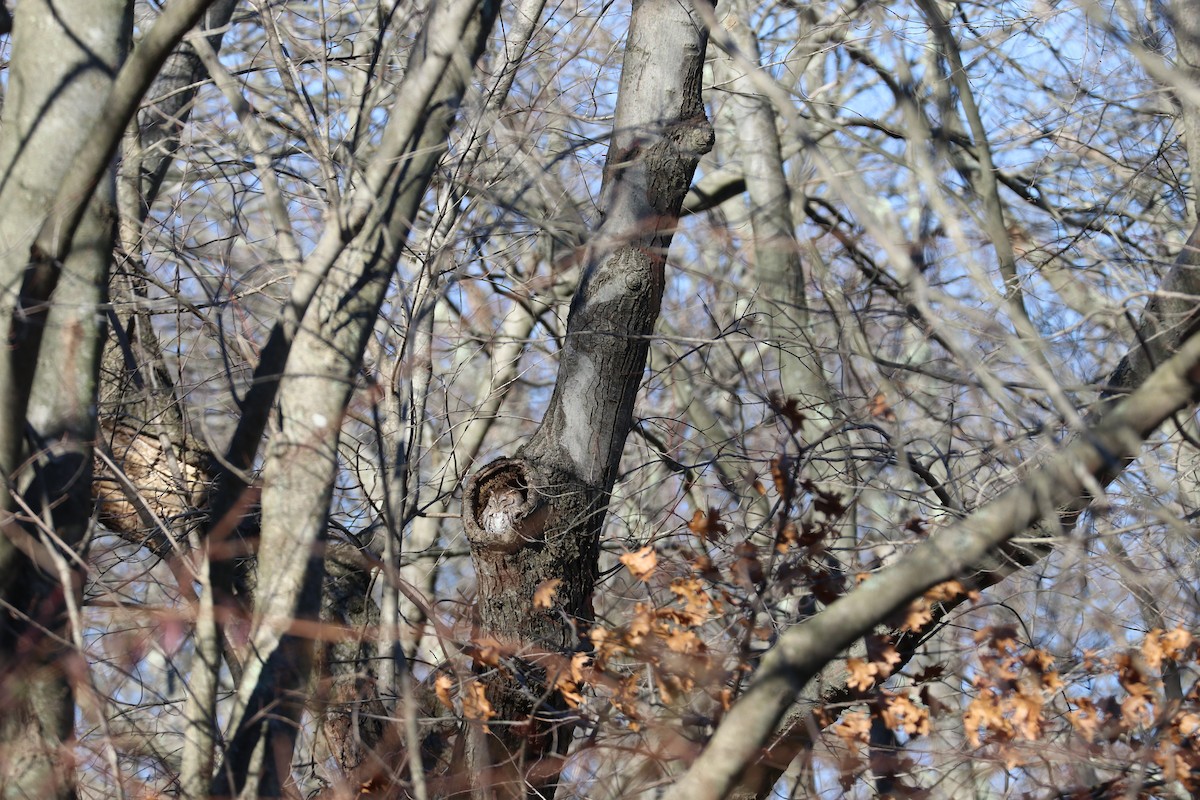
[(544, 594), (853, 727), (880, 409), (641, 563), (862, 674), (476, 706)]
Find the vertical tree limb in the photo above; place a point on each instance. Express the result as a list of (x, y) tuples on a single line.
[(561, 478), (65, 58), (313, 392)]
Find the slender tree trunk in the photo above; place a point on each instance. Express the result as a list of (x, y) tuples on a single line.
[(313, 392), (145, 428)]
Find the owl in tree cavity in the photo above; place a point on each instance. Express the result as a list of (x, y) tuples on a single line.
[(501, 511)]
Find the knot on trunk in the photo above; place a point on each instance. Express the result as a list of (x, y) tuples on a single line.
[(502, 509)]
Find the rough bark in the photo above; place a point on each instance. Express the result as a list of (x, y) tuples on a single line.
[(351, 717), (556, 487), (506, 357)]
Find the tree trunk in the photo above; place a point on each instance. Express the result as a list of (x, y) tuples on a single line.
[(537, 517), (65, 55), (315, 388)]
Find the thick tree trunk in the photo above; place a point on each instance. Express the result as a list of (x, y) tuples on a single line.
[(537, 517), (1185, 24), (65, 56)]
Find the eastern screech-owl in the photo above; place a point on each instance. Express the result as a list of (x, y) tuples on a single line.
[(501, 511)]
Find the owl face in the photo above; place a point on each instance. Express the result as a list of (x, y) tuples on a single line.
[(501, 511)]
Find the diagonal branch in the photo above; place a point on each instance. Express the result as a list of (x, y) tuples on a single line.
[(1063, 484)]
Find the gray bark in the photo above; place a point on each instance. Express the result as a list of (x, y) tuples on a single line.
[(777, 264), (65, 57), (561, 478), (1184, 19), (779, 272), (313, 392), (45, 199)]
